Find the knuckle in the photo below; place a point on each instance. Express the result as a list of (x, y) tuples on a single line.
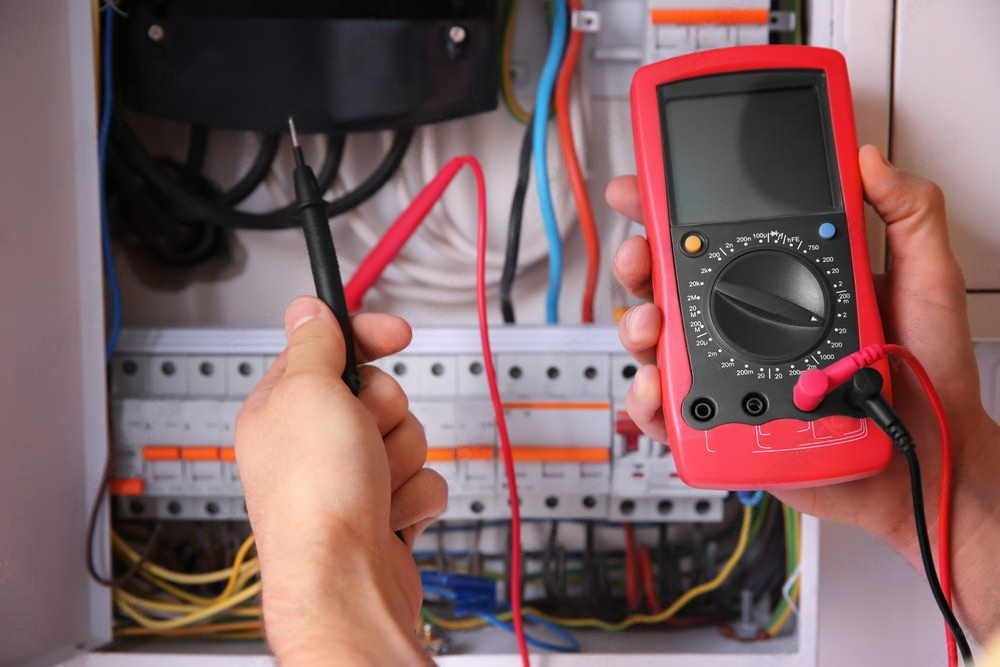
[(930, 195), (418, 434), (389, 391), (438, 495), (244, 424)]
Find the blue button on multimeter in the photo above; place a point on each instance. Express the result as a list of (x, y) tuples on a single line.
[(827, 231)]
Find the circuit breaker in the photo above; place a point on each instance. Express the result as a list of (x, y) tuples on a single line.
[(638, 32), (175, 395)]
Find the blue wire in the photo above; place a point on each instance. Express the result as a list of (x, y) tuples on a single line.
[(445, 593), (750, 498), (539, 139), (571, 646), (102, 152)]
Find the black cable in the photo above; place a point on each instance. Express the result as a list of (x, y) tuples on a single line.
[(475, 559), (192, 205), (866, 392), (919, 518), (549, 575), (148, 221), (591, 580), (377, 179), (664, 562), (697, 553), (188, 205), (152, 218), (440, 555), (197, 149), (514, 227), (261, 165)]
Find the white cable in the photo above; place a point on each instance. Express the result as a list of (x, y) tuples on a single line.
[(786, 589), (447, 238), (441, 230)]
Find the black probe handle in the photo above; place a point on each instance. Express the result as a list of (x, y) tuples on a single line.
[(325, 268)]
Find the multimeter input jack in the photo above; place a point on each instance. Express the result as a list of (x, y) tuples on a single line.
[(703, 409), (754, 404)]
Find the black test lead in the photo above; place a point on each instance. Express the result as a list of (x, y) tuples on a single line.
[(323, 259), (322, 255)]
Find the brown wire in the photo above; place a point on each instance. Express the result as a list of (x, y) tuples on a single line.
[(95, 509)]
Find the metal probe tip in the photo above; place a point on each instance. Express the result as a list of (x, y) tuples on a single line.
[(291, 128)]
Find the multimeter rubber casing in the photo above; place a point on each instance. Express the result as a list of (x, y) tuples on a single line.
[(751, 195)]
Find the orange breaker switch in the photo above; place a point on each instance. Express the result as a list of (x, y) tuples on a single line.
[(126, 487)]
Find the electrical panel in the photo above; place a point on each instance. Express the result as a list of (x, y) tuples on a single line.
[(175, 395)]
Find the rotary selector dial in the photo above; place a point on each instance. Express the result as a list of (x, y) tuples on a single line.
[(770, 306)]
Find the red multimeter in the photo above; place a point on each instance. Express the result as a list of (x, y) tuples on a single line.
[(748, 174)]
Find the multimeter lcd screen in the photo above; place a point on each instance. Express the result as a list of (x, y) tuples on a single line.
[(747, 155)]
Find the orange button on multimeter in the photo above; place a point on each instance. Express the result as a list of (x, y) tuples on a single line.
[(693, 244)]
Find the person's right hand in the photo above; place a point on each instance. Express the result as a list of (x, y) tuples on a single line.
[(328, 477), (922, 303)]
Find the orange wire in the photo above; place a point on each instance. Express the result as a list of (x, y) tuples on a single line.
[(646, 565), (631, 576), (583, 208)]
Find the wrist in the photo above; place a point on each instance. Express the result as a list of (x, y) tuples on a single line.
[(384, 648), (336, 603)]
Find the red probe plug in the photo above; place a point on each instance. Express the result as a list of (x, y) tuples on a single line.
[(815, 384)]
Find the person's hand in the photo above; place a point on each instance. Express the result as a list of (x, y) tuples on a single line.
[(922, 304), (328, 477)]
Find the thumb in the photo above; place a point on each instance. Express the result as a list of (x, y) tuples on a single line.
[(912, 207), (315, 342), (917, 227)]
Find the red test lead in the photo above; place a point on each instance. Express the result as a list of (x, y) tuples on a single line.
[(816, 383)]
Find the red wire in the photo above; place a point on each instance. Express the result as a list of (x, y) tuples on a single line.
[(491, 376), (944, 506), (369, 271), (646, 565), (631, 575), (388, 246), (583, 207)]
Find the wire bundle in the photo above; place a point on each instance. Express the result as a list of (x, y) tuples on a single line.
[(166, 605), (749, 525)]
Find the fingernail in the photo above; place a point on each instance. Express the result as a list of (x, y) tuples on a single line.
[(300, 311)]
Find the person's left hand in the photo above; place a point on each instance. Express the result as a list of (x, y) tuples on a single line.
[(328, 477)]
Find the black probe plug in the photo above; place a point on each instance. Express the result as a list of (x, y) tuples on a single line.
[(865, 393), (322, 255)]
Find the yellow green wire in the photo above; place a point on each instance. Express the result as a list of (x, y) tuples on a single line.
[(510, 101), (792, 547), (506, 81)]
